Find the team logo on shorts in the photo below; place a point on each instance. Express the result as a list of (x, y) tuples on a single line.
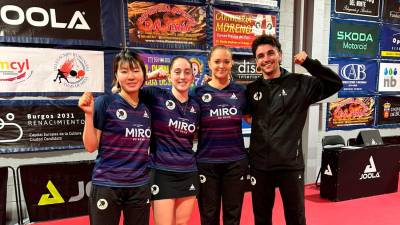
[(257, 96), (155, 189), (170, 104), (203, 179), (121, 114), (253, 181), (102, 204), (206, 97)]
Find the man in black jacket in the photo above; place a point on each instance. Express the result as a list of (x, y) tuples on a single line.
[(278, 102)]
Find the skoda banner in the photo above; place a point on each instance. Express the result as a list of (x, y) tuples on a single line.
[(389, 77), (57, 190), (244, 69), (351, 113), (390, 41), (391, 11), (358, 76), (354, 39), (388, 110), (3, 194), (364, 8), (34, 125)]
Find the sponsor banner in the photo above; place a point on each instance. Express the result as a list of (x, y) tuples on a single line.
[(391, 11), (161, 25), (238, 29), (390, 41), (353, 39), (389, 77), (388, 110), (26, 70), (351, 113), (3, 194), (364, 8), (60, 19), (273, 4), (57, 190), (154, 61), (27, 126), (244, 69), (358, 76)]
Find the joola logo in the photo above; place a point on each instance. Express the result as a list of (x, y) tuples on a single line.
[(182, 126), (40, 17), (370, 171), (56, 198), (224, 112), (354, 72)]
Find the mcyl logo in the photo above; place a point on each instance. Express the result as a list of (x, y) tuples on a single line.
[(71, 69), (40, 17), (389, 74), (15, 70), (370, 171), (56, 198), (354, 72)]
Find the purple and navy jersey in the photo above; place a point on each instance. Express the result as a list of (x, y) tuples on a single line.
[(174, 125), (220, 133), (123, 154)]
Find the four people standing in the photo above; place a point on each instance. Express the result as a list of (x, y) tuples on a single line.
[(277, 102)]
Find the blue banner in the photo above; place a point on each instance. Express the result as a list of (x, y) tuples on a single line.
[(358, 76), (390, 41), (33, 125)]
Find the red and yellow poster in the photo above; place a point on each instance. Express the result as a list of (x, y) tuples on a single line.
[(350, 113), (238, 30), (166, 26)]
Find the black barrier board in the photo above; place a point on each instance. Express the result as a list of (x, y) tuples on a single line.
[(40, 126), (62, 19), (3, 194), (55, 191), (354, 173)]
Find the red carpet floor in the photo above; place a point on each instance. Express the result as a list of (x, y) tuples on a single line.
[(375, 210)]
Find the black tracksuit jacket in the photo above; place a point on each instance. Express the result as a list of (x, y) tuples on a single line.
[(279, 109)]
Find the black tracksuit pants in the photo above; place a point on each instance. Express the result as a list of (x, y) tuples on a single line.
[(222, 182), (291, 187)]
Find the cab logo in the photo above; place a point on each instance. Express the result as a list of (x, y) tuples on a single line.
[(15, 71), (70, 70), (55, 197), (354, 72)]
